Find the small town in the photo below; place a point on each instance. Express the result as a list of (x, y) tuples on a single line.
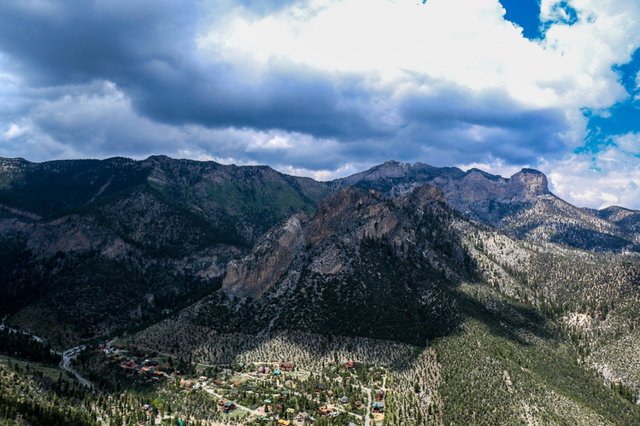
[(270, 393)]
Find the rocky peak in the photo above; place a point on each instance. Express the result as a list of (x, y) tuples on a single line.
[(529, 183)]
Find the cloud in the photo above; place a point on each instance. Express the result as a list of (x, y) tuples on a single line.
[(14, 131), (608, 177), (311, 86)]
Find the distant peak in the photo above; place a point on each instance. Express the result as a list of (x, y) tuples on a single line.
[(533, 181), (158, 158), (531, 171), (483, 173)]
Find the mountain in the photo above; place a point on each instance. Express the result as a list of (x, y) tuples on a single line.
[(486, 300), (521, 205), (516, 326), (101, 244)]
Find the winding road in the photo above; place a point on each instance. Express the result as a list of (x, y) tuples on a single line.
[(65, 364)]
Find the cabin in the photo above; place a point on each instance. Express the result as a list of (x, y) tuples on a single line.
[(301, 417), (277, 373), (344, 400), (378, 407), (128, 365), (229, 406), (287, 366), (380, 395), (358, 404), (283, 422), (349, 364), (324, 410)]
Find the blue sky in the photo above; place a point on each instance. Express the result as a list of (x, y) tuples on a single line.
[(325, 88)]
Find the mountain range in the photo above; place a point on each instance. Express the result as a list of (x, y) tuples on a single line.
[(185, 254)]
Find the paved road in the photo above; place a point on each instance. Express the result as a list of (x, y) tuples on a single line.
[(71, 354)]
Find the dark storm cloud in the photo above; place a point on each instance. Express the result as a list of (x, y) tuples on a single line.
[(146, 47), (459, 119), (167, 97)]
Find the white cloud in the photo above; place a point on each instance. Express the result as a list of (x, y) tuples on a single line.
[(14, 131), (628, 143), (390, 42), (610, 177), (277, 142)]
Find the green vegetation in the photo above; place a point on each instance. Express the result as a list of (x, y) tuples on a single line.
[(17, 344)]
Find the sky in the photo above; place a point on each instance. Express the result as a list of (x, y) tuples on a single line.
[(326, 88)]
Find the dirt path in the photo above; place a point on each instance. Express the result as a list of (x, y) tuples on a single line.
[(367, 416), (241, 407)]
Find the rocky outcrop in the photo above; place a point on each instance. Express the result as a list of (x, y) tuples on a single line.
[(259, 271)]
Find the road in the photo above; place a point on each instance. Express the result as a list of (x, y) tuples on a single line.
[(367, 416), (67, 357)]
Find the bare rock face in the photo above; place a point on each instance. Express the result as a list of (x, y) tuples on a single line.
[(528, 184), (259, 271), (341, 224)]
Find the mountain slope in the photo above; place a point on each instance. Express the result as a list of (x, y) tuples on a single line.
[(492, 314), (123, 240), (521, 206)]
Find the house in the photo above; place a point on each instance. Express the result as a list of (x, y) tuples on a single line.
[(349, 364), (283, 422), (319, 387), (324, 410), (287, 366), (301, 417), (128, 365), (277, 373), (378, 407), (229, 406), (290, 411), (358, 404), (380, 395), (344, 400)]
